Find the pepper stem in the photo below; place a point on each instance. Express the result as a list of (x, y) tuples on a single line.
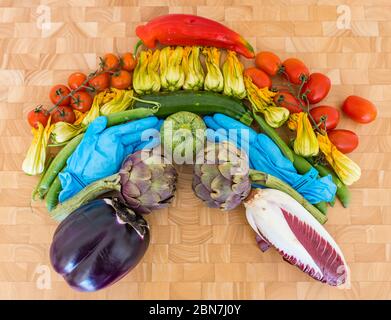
[(91, 192), (269, 181)]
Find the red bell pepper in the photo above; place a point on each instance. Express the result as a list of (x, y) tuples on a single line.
[(190, 30)]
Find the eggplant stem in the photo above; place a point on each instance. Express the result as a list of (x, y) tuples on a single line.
[(90, 192), (269, 181)]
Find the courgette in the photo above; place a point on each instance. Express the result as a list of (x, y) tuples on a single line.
[(201, 103)]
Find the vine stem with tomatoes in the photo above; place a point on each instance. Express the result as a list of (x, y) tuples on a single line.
[(82, 86)]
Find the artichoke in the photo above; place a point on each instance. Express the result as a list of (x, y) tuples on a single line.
[(145, 182), (222, 180), (148, 183)]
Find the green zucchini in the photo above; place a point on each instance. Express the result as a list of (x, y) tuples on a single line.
[(201, 103)]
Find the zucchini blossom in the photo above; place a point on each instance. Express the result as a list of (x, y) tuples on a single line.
[(145, 76), (122, 100), (305, 144), (172, 76), (233, 76), (346, 169), (192, 67), (34, 163), (214, 80), (262, 101), (106, 102)]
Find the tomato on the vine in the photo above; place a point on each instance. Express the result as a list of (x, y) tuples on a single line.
[(76, 79), (100, 82), (268, 62), (81, 101), (294, 70), (121, 79), (259, 78), (64, 114), (359, 109), (288, 101), (128, 62), (109, 62), (345, 140), (316, 88), (57, 93), (325, 113), (38, 115)]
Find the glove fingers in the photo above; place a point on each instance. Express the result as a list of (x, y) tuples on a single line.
[(81, 155), (211, 123), (216, 136), (133, 126), (228, 123)]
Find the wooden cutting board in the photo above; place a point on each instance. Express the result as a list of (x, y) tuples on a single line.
[(197, 252)]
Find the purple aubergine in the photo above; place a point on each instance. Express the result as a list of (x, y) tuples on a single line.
[(98, 244)]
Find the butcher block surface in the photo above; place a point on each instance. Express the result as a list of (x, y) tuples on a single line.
[(196, 252)]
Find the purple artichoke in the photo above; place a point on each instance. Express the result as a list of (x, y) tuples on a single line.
[(222, 181), (147, 183)]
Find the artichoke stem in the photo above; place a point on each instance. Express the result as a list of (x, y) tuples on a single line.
[(90, 192), (269, 181)]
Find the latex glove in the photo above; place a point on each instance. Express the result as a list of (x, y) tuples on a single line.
[(265, 156), (101, 152)]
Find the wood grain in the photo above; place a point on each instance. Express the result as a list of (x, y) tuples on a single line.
[(197, 252)]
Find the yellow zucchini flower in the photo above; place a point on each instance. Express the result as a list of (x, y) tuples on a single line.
[(145, 76), (34, 163), (192, 67), (233, 76), (346, 169), (305, 144), (172, 76), (120, 100), (214, 80), (262, 101)]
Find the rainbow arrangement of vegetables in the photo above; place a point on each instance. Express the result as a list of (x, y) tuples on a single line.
[(182, 82)]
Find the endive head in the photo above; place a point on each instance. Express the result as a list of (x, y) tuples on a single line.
[(34, 163), (214, 80), (192, 68), (346, 169), (305, 144), (233, 76)]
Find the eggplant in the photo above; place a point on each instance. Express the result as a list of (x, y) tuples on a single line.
[(98, 244)]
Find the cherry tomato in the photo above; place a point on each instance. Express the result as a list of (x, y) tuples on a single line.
[(259, 78), (294, 70), (345, 140), (268, 62), (128, 62), (64, 114), (321, 112), (359, 109), (38, 114), (121, 79), (81, 101), (57, 92), (109, 62), (100, 82), (316, 88), (76, 79), (288, 101)]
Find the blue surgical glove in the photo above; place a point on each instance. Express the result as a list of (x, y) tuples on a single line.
[(101, 152), (264, 155)]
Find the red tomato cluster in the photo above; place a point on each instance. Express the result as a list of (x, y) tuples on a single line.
[(311, 89), (78, 95)]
